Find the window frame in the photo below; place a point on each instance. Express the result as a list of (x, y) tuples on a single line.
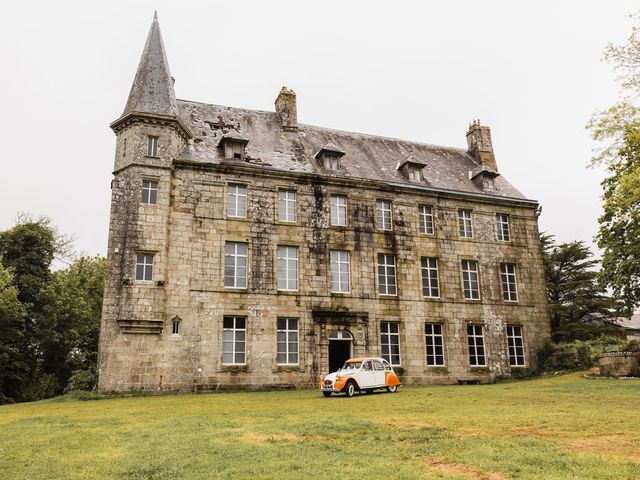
[(386, 266), (151, 193), (477, 281), (145, 266), (434, 335), (338, 262), (388, 335), (503, 224), (236, 265), (422, 220), (175, 327), (290, 206), (474, 346), (152, 146), (287, 259), (464, 221), (512, 347), (234, 342), (335, 220), (511, 290), (287, 342), (429, 269), (380, 220), (233, 191)]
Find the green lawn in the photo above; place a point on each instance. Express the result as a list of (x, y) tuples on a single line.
[(557, 427)]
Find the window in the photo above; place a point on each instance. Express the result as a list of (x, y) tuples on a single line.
[(237, 201), (508, 281), (144, 267), (386, 274), (234, 150), (430, 287), (464, 222), (425, 216), (175, 326), (235, 265), (233, 340), (415, 174), (502, 222), (390, 342), (470, 283), (434, 341), (149, 191), (152, 147), (338, 210), (287, 206), (516, 345), (476, 345), (383, 215), (287, 268), (331, 162), (287, 341), (339, 271)]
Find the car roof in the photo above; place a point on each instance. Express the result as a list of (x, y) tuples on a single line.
[(362, 359)]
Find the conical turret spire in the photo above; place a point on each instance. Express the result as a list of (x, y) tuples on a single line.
[(152, 89)]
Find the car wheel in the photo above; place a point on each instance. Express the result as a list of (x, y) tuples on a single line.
[(326, 394), (392, 389), (350, 389)]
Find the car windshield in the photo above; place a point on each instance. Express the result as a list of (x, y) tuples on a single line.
[(351, 366)]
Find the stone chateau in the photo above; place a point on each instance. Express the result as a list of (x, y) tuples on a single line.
[(248, 250)]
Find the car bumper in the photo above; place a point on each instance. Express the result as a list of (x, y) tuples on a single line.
[(331, 389)]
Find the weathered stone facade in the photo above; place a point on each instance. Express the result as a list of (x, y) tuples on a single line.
[(186, 229)]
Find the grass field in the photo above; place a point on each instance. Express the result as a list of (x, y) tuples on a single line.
[(550, 428)]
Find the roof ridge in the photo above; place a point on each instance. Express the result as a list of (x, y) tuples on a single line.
[(371, 135)]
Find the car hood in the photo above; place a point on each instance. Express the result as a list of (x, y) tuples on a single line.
[(333, 376)]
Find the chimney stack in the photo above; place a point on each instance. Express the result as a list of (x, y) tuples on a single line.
[(480, 146), (287, 110)]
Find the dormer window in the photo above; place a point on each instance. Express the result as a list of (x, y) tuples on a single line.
[(233, 145), (484, 177), (329, 157), (411, 167)]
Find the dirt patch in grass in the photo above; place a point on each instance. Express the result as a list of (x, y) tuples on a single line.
[(449, 468), (251, 437), (608, 445)]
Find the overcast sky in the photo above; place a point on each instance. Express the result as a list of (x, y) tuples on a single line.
[(414, 70)]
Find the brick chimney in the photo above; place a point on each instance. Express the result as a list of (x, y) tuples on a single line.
[(480, 146), (287, 110)]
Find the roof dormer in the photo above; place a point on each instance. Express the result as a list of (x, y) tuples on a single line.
[(411, 167), (233, 145), (484, 177), (329, 156)]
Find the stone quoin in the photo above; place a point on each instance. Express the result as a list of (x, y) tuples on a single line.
[(248, 250)]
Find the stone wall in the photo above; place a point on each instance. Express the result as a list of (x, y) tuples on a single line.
[(620, 364), (188, 228)]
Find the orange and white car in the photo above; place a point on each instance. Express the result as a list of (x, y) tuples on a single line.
[(364, 374)]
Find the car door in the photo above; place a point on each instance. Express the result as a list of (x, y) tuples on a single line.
[(366, 376), (378, 373)]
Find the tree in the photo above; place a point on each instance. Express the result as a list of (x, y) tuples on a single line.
[(575, 297), (617, 129), (72, 304), (619, 233), (13, 368)]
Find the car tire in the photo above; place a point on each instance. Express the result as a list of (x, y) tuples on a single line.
[(326, 394), (350, 389), (392, 389)]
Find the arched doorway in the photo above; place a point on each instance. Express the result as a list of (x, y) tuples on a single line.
[(340, 347)]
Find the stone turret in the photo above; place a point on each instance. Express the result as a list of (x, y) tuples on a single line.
[(151, 110), (480, 146)]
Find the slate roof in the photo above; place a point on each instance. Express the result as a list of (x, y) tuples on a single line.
[(366, 156), (152, 90)]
